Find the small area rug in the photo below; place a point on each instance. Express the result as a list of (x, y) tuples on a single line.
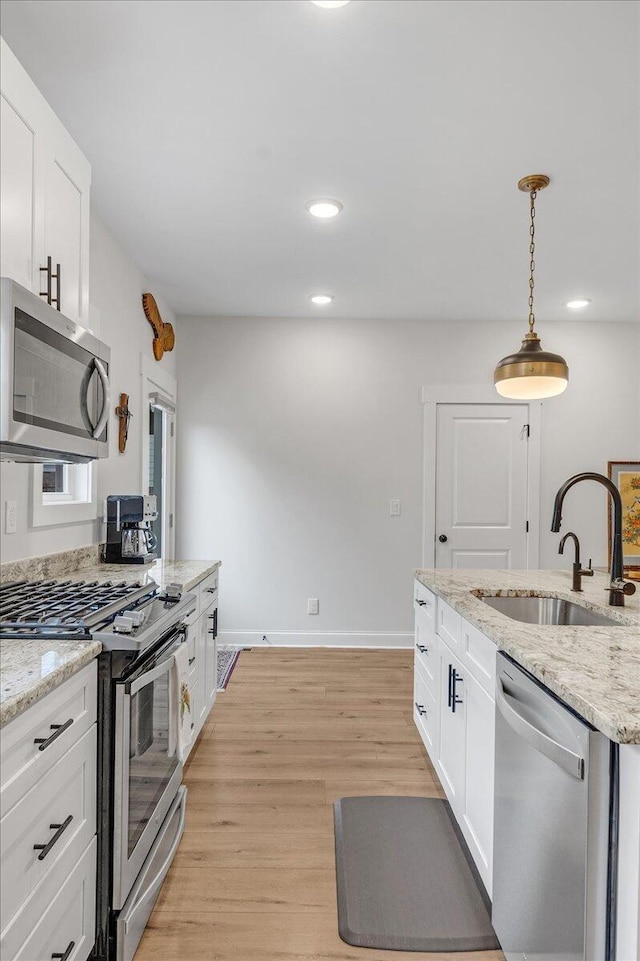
[(227, 658), (406, 881)]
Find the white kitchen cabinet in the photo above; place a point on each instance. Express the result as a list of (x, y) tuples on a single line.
[(48, 824), (203, 675), (451, 741), (45, 195), (477, 808), (454, 677)]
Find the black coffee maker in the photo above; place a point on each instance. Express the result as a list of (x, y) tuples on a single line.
[(130, 539)]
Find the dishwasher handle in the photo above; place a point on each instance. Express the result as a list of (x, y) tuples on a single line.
[(569, 761)]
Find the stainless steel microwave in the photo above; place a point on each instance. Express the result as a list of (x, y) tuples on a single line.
[(55, 383)]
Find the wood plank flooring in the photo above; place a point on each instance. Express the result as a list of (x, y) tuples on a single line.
[(254, 877)]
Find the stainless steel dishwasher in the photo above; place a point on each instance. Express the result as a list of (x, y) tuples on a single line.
[(551, 872)]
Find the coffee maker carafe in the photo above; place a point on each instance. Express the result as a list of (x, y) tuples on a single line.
[(130, 539)]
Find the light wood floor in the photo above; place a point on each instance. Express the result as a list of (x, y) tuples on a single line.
[(254, 877)]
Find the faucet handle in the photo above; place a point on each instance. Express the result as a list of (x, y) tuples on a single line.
[(623, 587), (589, 570)]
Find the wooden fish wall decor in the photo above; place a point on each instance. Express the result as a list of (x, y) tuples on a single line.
[(164, 337)]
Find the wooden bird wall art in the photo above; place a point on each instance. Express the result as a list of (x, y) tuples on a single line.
[(164, 337)]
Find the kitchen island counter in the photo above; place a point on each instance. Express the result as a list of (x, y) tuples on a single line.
[(595, 670)]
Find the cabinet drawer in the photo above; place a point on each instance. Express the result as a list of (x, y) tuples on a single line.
[(425, 712), (61, 811), (70, 916), (208, 591), (24, 763), (449, 625), (425, 603), (427, 659), (478, 654)]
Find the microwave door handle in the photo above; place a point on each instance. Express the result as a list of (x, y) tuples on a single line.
[(569, 761), (106, 393)]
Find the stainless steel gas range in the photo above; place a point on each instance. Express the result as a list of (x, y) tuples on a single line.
[(141, 800)]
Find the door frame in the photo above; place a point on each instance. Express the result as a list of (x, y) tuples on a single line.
[(157, 384), (430, 398)]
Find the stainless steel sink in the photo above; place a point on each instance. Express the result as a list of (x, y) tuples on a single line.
[(549, 610)]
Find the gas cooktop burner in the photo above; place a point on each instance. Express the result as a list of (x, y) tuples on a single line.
[(65, 609)]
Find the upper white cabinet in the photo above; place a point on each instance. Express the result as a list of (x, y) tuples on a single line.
[(45, 187)]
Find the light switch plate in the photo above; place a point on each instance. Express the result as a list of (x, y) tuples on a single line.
[(10, 517), (313, 605)]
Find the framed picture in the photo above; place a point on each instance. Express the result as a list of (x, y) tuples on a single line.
[(626, 476)]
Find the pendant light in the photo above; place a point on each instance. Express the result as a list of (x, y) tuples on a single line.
[(531, 373)]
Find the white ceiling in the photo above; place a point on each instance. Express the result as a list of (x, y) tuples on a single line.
[(210, 124)]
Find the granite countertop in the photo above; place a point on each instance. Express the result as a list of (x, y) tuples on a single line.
[(185, 573), (595, 670), (29, 669)]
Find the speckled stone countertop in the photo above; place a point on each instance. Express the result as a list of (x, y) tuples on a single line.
[(595, 670), (30, 669)]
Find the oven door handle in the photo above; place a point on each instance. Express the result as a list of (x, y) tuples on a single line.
[(164, 867)]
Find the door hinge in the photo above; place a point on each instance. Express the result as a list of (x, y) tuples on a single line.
[(171, 521), (527, 527), (172, 426)]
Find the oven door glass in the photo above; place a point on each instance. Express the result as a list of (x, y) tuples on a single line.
[(151, 767), (147, 771), (56, 384)]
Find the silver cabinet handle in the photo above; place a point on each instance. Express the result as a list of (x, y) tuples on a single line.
[(104, 413), (556, 752)]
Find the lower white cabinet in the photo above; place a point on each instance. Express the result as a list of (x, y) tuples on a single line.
[(203, 673), (453, 684), (48, 784)]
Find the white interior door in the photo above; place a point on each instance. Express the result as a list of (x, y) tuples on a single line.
[(481, 485)]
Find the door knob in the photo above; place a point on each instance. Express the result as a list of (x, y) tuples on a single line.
[(443, 538)]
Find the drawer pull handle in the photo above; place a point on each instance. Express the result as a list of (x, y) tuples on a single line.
[(210, 590), (211, 617), (59, 829), (58, 729), (422, 648), (420, 603), (66, 954), (211, 631), (192, 659), (421, 709)]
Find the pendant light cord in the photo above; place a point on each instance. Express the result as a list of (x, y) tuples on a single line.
[(532, 264)]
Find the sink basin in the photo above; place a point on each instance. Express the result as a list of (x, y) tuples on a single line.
[(549, 610)]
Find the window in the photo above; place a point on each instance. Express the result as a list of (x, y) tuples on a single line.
[(63, 494)]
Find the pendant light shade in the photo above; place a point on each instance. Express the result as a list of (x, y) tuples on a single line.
[(531, 373)]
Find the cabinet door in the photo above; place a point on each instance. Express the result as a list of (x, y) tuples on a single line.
[(64, 236), (478, 795), (211, 657), (201, 710), (425, 712), (451, 742), (17, 180)]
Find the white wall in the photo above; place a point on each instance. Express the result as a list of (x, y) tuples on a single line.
[(116, 288), (294, 435)]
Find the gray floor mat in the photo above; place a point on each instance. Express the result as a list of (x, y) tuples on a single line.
[(405, 879)]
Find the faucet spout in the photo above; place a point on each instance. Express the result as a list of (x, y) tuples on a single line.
[(618, 587)]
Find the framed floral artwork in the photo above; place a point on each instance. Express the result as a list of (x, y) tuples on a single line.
[(626, 476)]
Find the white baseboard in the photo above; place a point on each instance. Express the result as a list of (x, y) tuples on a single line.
[(314, 639)]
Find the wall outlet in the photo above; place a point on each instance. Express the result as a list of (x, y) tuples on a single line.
[(394, 508), (313, 605), (10, 517)]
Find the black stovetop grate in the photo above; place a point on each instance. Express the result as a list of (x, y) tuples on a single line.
[(64, 608)]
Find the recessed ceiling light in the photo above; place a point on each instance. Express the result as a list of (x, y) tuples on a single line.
[(324, 208), (578, 304), (321, 299), (330, 4)]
